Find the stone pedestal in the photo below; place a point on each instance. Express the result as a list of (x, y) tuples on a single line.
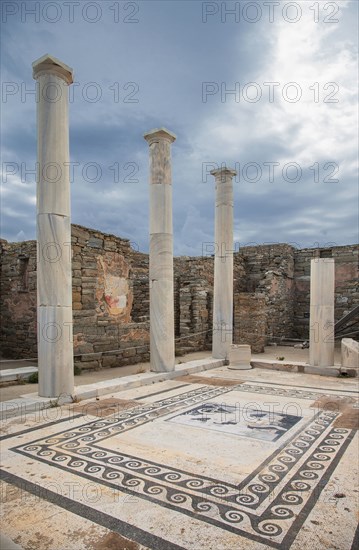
[(223, 265), (349, 354), (54, 288), (240, 357), (321, 341), (162, 348)]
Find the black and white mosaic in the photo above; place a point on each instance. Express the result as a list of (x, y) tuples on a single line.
[(268, 506), (253, 423)]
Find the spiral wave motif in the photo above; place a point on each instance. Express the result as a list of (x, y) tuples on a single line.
[(76, 463), (59, 458), (111, 475), (308, 474), (32, 448), (93, 469), (300, 485), (314, 465), (172, 477), (294, 451), (132, 482), (155, 490), (178, 498), (292, 498), (278, 468), (286, 459), (152, 470), (258, 488), (270, 478), (326, 449), (321, 456), (246, 500), (282, 512), (84, 450), (233, 516), (115, 459), (133, 464), (331, 442), (269, 528), (71, 445), (194, 483), (203, 506), (45, 453)]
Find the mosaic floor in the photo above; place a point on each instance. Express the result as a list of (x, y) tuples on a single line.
[(191, 466)]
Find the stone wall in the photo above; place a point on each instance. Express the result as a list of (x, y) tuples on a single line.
[(105, 335), (250, 320), (18, 299), (270, 271), (346, 283), (193, 303), (111, 297)]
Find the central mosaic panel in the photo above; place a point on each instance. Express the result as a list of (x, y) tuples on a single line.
[(253, 423)]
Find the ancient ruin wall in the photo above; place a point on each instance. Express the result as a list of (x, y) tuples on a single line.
[(111, 297), (102, 301), (346, 283), (269, 272)]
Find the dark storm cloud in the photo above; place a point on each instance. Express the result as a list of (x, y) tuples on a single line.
[(164, 60)]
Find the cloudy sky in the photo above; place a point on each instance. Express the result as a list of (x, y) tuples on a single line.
[(268, 88)]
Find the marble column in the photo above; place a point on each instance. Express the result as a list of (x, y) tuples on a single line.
[(54, 288), (162, 348), (223, 265), (321, 339)]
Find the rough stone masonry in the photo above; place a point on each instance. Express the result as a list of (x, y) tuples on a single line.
[(110, 297)]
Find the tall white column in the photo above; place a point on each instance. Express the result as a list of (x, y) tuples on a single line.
[(223, 265), (162, 348), (321, 339), (54, 288)]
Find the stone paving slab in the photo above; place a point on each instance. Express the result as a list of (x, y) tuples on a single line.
[(20, 373), (32, 402), (194, 465)]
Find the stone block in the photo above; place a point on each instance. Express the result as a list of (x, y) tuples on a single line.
[(240, 357), (93, 242), (349, 353), (90, 365)]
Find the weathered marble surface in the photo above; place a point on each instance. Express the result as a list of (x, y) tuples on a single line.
[(54, 288), (349, 353), (321, 342), (223, 265), (55, 351), (240, 357), (54, 261), (162, 350)]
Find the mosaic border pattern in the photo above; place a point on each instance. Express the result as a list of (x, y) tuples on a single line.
[(264, 507)]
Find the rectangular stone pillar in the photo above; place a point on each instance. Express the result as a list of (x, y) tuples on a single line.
[(223, 265), (54, 285), (321, 339), (162, 348)]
